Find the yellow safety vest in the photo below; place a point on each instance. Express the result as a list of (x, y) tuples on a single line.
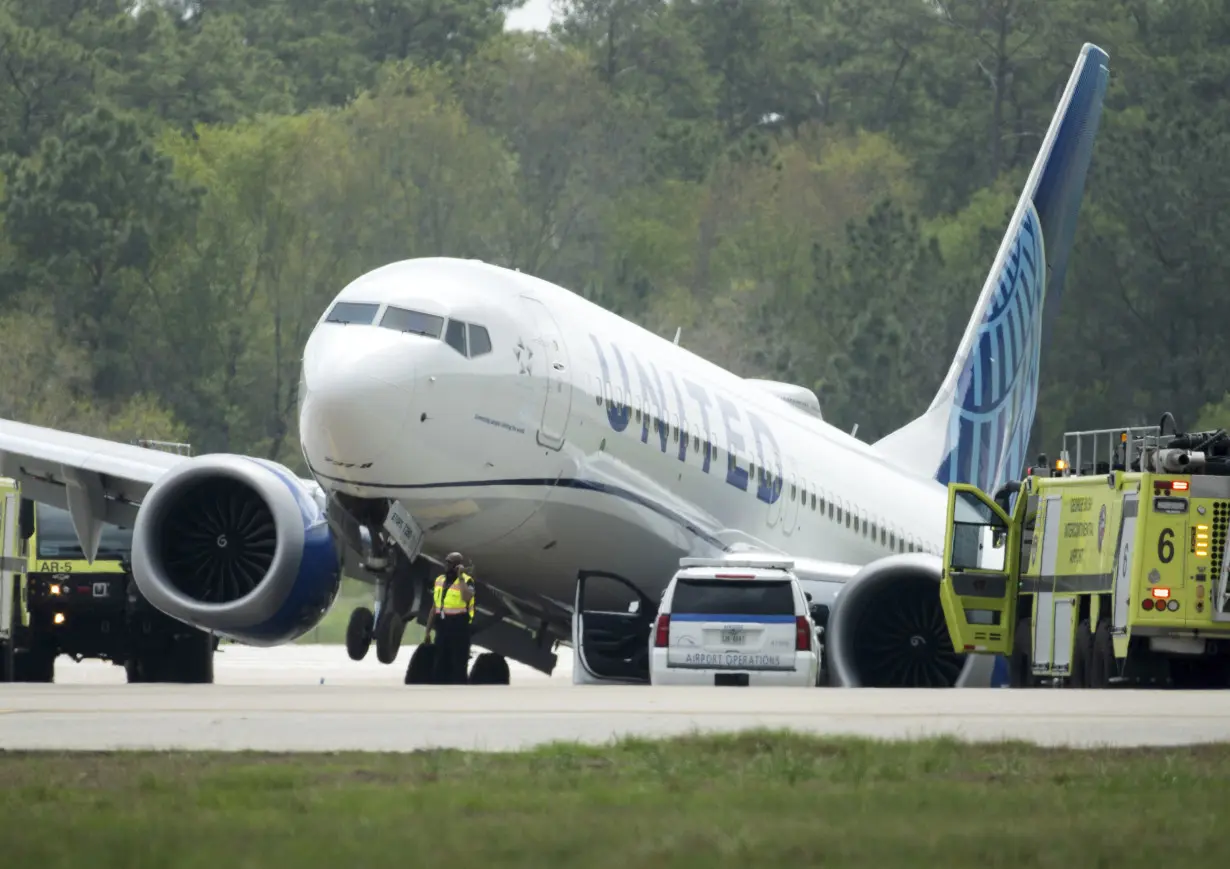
[(452, 603)]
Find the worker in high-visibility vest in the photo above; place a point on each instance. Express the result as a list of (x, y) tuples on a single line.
[(452, 614)]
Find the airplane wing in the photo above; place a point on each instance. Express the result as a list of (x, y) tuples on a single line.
[(58, 468), (98, 481)]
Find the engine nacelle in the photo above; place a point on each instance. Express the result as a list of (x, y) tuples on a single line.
[(886, 629), (236, 546)]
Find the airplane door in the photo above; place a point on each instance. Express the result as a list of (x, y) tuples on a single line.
[(557, 404), (611, 624)]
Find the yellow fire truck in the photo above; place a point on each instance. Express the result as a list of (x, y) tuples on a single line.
[(1108, 572), (54, 602), (14, 616)]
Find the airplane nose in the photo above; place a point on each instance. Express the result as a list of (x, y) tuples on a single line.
[(358, 386)]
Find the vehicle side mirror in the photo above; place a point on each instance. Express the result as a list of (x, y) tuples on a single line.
[(820, 614), (25, 519), (807, 594)]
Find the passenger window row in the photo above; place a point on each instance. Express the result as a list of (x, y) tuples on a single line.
[(468, 339), (806, 495)]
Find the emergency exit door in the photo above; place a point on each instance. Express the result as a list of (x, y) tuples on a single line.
[(549, 347)]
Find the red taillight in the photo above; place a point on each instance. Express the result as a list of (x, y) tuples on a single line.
[(664, 630), (1147, 603), (802, 634)]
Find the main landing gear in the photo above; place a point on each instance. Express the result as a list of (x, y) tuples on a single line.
[(364, 626), (489, 669)]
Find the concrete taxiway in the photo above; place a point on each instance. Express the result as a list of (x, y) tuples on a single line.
[(275, 700), (297, 664)]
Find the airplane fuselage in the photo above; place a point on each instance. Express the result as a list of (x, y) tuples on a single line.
[(582, 441)]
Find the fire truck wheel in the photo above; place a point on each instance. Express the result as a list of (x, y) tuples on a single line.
[(1082, 656), (1102, 663), (1019, 671)]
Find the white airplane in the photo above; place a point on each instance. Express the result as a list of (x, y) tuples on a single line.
[(574, 458)]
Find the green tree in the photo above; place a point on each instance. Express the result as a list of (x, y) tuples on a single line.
[(87, 216)]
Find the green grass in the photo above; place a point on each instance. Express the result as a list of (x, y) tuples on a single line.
[(332, 628), (747, 801)]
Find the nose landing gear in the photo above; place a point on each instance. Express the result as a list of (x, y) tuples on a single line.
[(386, 629), (359, 633), (396, 598)]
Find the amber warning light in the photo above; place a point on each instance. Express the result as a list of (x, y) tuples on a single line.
[(1171, 485)]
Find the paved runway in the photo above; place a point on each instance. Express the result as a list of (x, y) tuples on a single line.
[(274, 700), (295, 664)]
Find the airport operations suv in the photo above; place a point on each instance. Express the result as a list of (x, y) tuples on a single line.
[(723, 622)]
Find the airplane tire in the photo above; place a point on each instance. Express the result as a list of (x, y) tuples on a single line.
[(489, 669), (1082, 656), (389, 631), (359, 633), (422, 663)]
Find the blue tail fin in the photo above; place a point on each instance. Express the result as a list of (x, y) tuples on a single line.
[(978, 425)]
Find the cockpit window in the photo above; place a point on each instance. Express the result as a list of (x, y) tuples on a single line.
[(359, 313), (417, 322), (480, 341), (456, 336)]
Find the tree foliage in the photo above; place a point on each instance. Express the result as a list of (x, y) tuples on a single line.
[(813, 189)]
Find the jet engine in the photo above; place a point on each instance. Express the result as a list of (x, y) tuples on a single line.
[(236, 546), (886, 629)]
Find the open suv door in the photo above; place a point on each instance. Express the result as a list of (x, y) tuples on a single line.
[(611, 624)]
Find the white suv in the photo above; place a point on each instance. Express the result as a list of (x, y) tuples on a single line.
[(725, 622)]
